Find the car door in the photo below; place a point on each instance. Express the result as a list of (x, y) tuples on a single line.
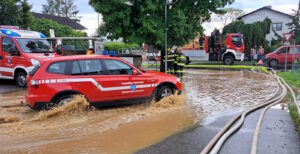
[(126, 85), (7, 60), (282, 55), (88, 77)]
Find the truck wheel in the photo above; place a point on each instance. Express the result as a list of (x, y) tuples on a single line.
[(273, 63), (164, 91), (62, 100), (228, 60), (21, 79)]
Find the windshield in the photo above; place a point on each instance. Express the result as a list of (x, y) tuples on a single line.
[(35, 45)]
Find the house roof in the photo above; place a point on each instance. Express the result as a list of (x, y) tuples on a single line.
[(264, 8), (61, 20)]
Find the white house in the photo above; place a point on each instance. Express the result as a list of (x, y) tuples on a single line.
[(279, 20)]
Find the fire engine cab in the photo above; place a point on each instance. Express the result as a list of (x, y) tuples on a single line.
[(226, 49), (20, 51)]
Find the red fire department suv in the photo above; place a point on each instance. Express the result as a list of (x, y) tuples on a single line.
[(103, 80), (20, 51)]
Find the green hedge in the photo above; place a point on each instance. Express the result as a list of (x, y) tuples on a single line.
[(116, 46), (43, 26)]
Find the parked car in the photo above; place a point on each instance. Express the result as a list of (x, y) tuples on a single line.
[(277, 57), (103, 80)]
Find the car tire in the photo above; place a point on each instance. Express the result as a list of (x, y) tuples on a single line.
[(228, 60), (21, 79), (273, 63), (60, 101), (163, 92)]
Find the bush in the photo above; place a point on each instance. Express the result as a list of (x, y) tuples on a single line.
[(43, 26), (117, 46)]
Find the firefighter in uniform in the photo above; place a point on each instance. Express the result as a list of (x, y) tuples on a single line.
[(181, 59), (170, 62), (175, 66)]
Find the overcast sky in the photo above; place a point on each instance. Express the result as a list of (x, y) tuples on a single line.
[(89, 16)]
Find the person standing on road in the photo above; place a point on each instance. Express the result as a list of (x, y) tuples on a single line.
[(90, 51), (261, 52), (252, 55), (181, 59), (170, 61), (175, 66)]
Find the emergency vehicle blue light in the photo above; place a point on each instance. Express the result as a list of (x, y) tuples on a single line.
[(10, 33), (105, 52), (112, 53), (42, 35)]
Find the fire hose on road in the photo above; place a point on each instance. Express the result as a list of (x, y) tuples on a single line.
[(219, 139)]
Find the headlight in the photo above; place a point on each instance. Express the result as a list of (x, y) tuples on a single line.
[(34, 62), (178, 79)]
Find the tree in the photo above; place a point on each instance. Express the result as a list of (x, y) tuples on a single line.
[(9, 12), (43, 26), (69, 10), (143, 21), (231, 15), (64, 8), (16, 13), (52, 7), (295, 25), (26, 18), (254, 34)]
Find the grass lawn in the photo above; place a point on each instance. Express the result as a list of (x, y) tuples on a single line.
[(292, 79)]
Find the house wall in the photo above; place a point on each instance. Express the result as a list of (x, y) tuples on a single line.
[(275, 18)]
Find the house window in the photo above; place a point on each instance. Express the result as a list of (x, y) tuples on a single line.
[(277, 26)]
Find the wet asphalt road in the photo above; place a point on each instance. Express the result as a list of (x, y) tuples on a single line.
[(277, 135), (8, 86)]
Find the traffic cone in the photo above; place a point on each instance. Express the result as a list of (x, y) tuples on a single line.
[(260, 62)]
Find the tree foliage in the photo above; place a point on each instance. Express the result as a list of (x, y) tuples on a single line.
[(26, 18), (15, 12), (143, 21), (43, 26), (254, 34), (295, 25), (65, 8), (231, 15), (116, 46)]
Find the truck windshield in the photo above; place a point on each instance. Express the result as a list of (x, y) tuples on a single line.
[(29, 45)]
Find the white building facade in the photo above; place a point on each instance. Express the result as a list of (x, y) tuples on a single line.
[(279, 20)]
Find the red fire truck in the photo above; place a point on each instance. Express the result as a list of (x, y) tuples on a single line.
[(20, 51), (226, 49)]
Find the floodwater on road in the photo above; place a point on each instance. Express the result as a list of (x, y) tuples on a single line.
[(73, 129)]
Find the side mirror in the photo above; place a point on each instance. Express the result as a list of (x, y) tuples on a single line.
[(134, 72), (13, 51)]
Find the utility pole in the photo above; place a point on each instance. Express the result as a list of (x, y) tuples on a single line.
[(166, 34)]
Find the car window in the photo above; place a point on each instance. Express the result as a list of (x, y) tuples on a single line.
[(7, 44), (57, 68), (75, 68), (282, 50), (116, 67), (237, 40), (90, 67)]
